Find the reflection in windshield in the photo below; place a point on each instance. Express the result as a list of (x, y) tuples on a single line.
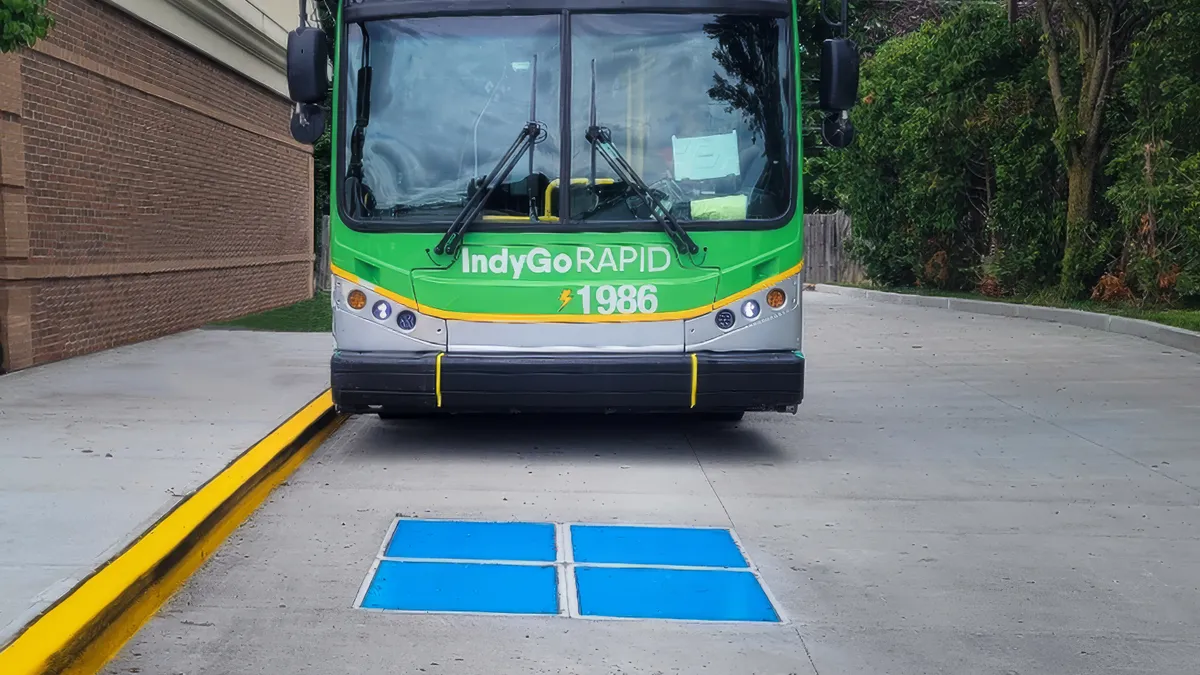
[(696, 105), (447, 98)]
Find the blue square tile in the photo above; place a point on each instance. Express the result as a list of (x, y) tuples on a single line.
[(650, 593), (689, 547), (463, 540), (463, 587)]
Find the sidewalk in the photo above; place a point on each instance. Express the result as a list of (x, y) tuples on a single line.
[(95, 449)]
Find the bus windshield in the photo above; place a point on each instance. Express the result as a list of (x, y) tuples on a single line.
[(695, 103), (696, 106), (448, 97)]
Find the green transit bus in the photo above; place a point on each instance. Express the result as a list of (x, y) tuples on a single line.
[(589, 205)]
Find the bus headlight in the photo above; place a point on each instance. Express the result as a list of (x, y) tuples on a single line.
[(381, 310), (750, 309)]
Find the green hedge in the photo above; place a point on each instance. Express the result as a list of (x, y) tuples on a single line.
[(955, 182), (1155, 166)]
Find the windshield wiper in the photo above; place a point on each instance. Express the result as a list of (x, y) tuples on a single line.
[(532, 133), (601, 140), (359, 193)]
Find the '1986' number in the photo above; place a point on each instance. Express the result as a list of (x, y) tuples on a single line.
[(624, 299)]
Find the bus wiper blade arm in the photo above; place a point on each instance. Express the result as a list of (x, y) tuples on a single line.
[(601, 140), (533, 132)]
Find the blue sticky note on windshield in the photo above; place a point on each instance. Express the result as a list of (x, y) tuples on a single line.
[(706, 157)]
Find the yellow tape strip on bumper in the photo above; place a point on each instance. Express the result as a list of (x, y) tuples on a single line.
[(437, 378), (695, 378), (90, 624)]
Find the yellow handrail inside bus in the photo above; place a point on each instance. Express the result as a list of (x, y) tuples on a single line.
[(574, 181), (549, 217), (518, 219)]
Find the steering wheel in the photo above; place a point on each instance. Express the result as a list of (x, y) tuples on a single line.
[(637, 205)]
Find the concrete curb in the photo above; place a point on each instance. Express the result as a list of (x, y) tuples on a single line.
[(90, 624), (1170, 336)]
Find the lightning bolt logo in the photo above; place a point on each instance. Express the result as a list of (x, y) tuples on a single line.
[(564, 298)]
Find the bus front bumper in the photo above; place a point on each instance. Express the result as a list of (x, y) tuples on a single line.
[(364, 382)]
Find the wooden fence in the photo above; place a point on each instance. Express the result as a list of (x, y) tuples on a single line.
[(825, 260)]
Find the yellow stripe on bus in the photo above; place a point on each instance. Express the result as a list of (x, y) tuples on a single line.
[(567, 318)]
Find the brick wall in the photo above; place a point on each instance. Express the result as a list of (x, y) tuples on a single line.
[(154, 304), (144, 190)]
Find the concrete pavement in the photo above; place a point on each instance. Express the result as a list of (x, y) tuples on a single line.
[(94, 449), (1170, 336), (959, 494)]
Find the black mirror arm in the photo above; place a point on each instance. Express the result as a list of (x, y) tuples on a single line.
[(840, 25)]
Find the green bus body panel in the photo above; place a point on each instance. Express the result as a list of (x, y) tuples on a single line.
[(517, 282), (399, 262)]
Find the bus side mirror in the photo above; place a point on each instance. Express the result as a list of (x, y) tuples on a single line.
[(308, 123), (307, 65), (839, 75)]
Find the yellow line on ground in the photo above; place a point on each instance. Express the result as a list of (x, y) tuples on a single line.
[(89, 625)]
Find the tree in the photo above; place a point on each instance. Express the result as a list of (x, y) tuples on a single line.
[(1100, 30), (22, 23), (872, 23), (1156, 162), (953, 180), (322, 148), (748, 50)]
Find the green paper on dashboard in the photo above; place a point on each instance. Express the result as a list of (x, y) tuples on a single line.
[(732, 207)]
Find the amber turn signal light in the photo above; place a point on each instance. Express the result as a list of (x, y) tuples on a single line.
[(356, 299), (775, 298)]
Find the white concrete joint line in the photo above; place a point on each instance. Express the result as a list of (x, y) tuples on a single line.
[(569, 595)]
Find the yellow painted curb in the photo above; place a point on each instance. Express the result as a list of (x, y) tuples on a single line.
[(89, 625)]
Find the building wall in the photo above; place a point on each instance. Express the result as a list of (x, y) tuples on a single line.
[(146, 188), (248, 36)]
